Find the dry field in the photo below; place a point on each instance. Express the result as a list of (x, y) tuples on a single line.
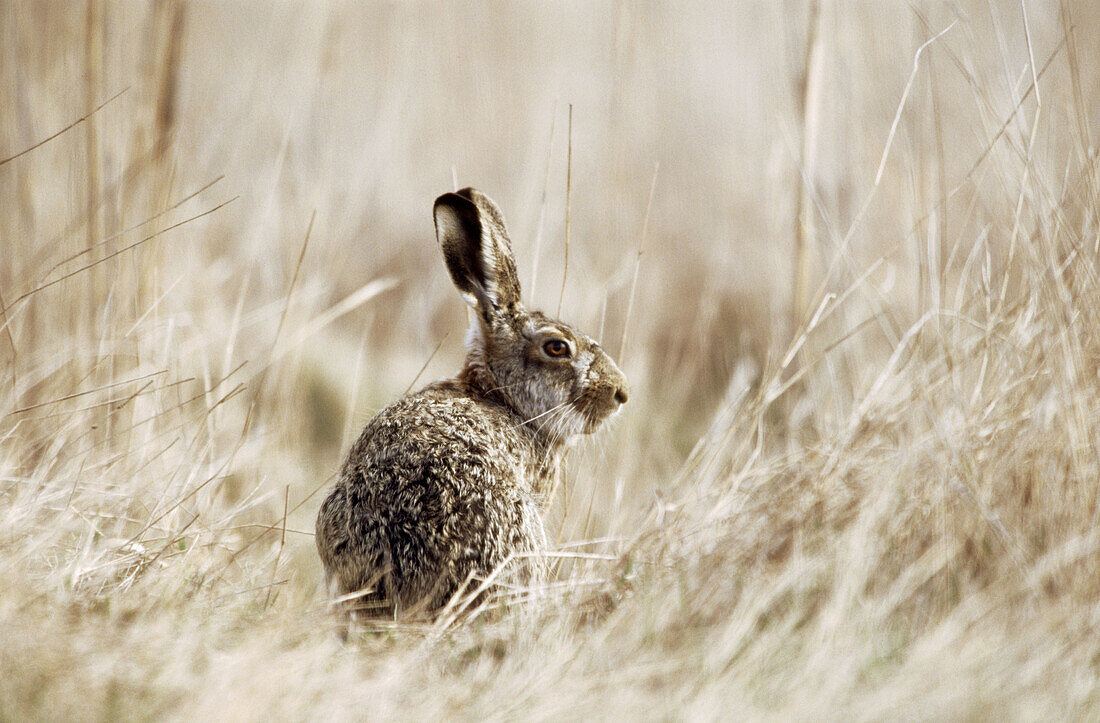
[(848, 254)]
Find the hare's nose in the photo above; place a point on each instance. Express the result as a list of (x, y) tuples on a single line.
[(621, 395)]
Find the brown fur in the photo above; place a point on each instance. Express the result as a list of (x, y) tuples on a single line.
[(448, 484)]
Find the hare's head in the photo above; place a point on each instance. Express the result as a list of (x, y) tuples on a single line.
[(557, 378)]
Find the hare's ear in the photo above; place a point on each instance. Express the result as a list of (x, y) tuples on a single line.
[(475, 245)]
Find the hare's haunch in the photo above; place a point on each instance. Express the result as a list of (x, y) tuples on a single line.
[(447, 484)]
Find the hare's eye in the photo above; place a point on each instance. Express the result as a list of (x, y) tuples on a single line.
[(556, 348)]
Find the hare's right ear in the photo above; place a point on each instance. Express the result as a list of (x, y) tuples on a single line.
[(475, 245)]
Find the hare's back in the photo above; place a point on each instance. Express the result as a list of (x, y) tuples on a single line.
[(434, 489), (462, 439)]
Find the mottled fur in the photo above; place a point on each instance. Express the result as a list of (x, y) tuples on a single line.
[(446, 485)]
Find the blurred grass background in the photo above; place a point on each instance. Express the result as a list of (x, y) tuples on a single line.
[(857, 475)]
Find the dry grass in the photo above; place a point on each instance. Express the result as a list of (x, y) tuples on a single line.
[(881, 505)]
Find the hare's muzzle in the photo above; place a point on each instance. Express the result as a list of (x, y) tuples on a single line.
[(607, 392)]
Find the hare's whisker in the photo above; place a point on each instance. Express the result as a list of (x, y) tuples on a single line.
[(548, 411), (560, 413)]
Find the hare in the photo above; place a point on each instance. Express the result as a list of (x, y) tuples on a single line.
[(448, 484)]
